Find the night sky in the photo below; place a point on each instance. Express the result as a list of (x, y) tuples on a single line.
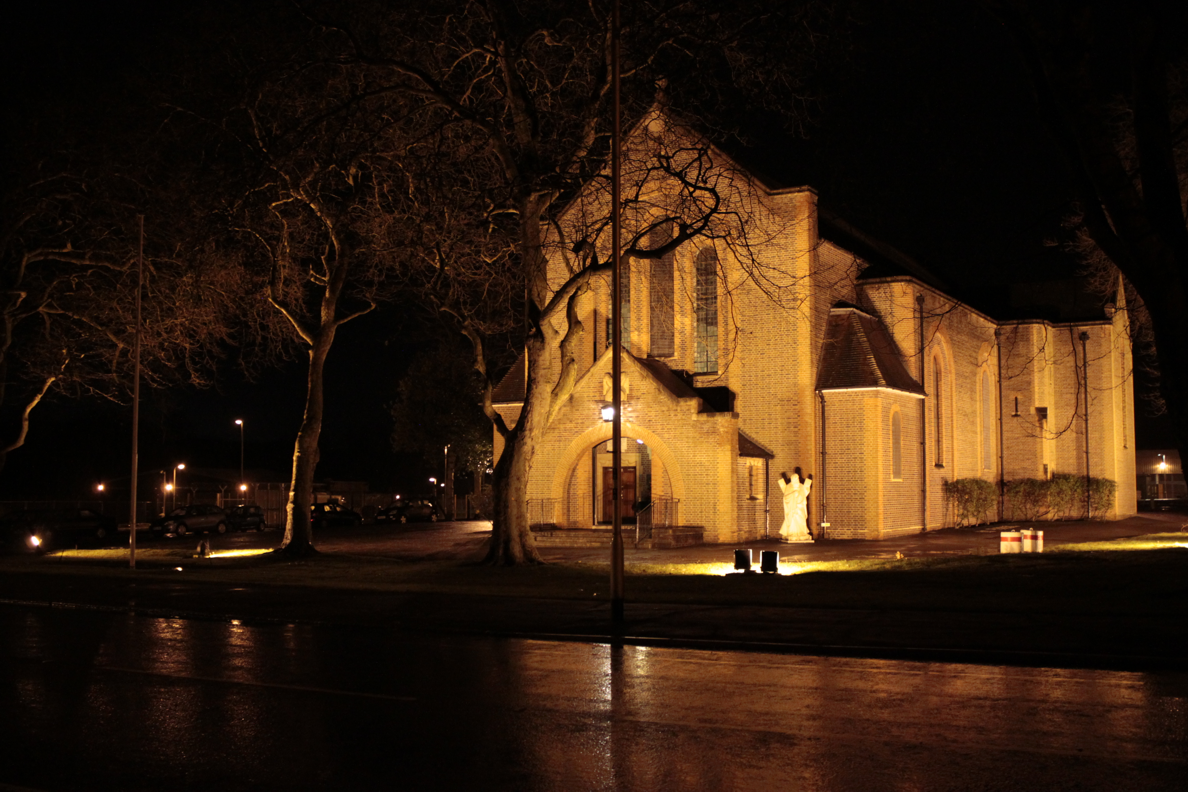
[(931, 143)]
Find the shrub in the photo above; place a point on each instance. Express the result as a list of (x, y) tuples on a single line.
[(1101, 494), (1066, 494), (972, 499), (1027, 498)]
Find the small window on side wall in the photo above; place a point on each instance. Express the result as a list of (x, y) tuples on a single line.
[(896, 446)]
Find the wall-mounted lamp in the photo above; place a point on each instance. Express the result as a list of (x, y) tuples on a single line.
[(608, 413)]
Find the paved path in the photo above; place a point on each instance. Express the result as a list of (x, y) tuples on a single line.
[(466, 540)]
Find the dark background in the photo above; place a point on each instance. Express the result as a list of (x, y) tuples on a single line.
[(929, 140)]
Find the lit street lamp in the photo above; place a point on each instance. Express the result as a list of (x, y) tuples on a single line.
[(242, 483), (173, 486), (445, 478), (1160, 468)]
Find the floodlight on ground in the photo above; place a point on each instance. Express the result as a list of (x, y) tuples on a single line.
[(769, 562), (742, 560)]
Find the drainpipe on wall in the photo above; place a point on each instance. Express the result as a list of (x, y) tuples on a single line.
[(824, 524), (1085, 376), (1001, 465), (923, 425), (766, 498)]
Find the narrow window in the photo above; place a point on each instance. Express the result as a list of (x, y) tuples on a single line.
[(705, 353), (625, 301), (896, 446), (662, 338), (987, 423), (751, 482), (938, 410)]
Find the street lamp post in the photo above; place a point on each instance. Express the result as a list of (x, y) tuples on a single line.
[(445, 478), (173, 487), (242, 483), (616, 592)]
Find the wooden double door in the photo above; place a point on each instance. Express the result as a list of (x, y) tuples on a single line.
[(626, 495)]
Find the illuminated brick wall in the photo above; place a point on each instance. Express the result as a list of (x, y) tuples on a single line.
[(772, 312)]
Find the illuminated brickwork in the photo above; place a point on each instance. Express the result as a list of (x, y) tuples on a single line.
[(914, 401)]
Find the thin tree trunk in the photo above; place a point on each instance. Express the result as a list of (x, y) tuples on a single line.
[(23, 432), (298, 539)]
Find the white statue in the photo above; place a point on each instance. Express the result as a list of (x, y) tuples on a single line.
[(795, 490), (790, 489), (801, 523)]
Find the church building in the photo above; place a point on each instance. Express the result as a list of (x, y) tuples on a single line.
[(810, 346)]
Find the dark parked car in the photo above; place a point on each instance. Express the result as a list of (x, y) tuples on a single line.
[(333, 515), (247, 518), (54, 528), (389, 513), (418, 510), (197, 517)]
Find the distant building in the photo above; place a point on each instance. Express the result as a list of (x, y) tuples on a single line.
[(1159, 475), (822, 349)]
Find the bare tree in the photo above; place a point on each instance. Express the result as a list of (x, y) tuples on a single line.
[(68, 259), (515, 123), (309, 155)]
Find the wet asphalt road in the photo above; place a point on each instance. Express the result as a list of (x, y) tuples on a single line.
[(105, 700)]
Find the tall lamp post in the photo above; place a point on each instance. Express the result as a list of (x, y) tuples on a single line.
[(242, 483), (616, 338), (173, 487), (446, 481)]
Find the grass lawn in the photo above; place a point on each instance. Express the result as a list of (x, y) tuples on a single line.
[(1147, 575)]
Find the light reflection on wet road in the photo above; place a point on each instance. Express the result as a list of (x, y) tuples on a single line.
[(111, 701)]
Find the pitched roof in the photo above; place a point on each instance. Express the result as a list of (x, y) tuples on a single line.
[(858, 352), (665, 376), (514, 386), (749, 448)]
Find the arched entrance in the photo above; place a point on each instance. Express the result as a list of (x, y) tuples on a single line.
[(580, 482), (636, 491), (587, 492)]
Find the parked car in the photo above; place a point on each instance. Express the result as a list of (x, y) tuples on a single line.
[(197, 517), (333, 515), (417, 510), (249, 517), (51, 528), (389, 513)]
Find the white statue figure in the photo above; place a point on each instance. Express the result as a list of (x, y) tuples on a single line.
[(790, 488), (801, 523), (795, 490)]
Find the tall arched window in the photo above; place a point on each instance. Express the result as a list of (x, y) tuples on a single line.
[(987, 423), (662, 335), (896, 446), (938, 405), (705, 353)]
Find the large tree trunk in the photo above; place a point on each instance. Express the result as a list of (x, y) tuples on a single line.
[(511, 538), (298, 539)]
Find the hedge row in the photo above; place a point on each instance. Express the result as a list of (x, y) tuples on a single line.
[(975, 501), (1060, 497)]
